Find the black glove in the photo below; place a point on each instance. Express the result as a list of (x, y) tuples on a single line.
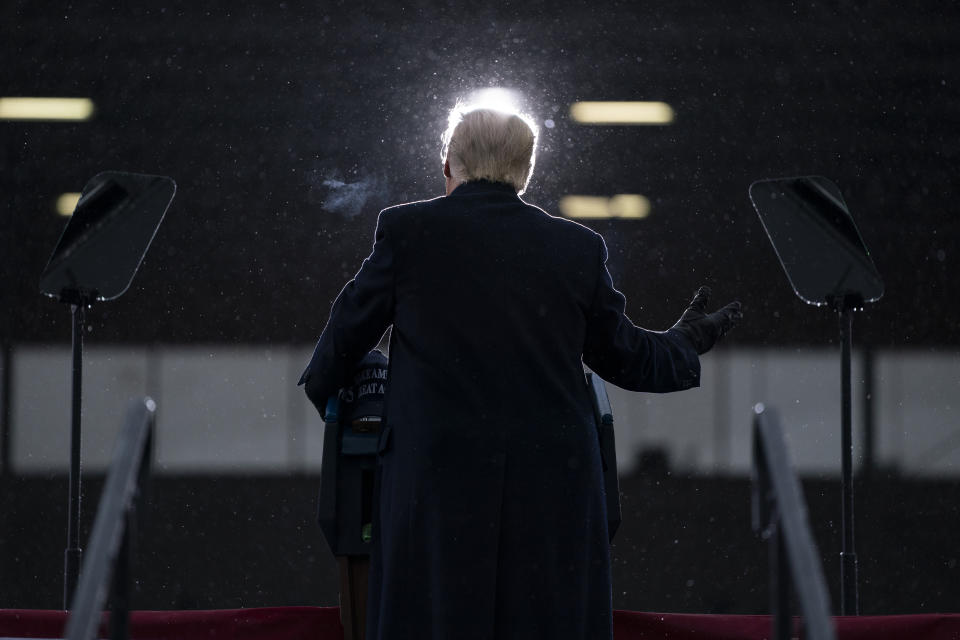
[(704, 329)]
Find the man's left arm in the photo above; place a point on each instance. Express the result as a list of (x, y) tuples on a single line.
[(358, 319)]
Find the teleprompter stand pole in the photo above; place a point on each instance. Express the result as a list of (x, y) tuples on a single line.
[(95, 260), (849, 596), (825, 259), (73, 555)]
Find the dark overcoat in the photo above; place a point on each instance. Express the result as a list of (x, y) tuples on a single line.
[(492, 518)]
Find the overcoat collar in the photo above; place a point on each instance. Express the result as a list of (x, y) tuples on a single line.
[(483, 186)]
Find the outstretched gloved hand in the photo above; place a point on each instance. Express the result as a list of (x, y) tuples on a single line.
[(704, 329)]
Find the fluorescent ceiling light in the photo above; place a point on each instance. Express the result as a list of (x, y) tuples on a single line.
[(621, 112), (67, 202), (623, 205), (46, 108)]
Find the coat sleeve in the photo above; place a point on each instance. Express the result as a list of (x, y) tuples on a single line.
[(358, 319), (629, 356)]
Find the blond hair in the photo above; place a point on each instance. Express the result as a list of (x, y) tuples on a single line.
[(490, 144)]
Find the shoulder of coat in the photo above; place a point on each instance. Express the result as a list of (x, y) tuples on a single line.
[(570, 226), (398, 209)]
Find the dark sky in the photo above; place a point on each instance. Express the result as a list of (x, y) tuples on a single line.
[(256, 111)]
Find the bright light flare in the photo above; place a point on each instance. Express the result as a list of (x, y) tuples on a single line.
[(67, 203), (46, 108), (622, 205), (622, 112), (496, 98)]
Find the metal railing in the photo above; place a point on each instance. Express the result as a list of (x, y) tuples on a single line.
[(108, 558), (780, 518)]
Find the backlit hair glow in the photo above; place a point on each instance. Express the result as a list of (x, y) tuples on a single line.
[(483, 143)]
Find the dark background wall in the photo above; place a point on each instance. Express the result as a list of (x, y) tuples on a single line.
[(685, 544), (252, 108)]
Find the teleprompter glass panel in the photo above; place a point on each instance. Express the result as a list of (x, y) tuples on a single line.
[(816, 240), (107, 236)]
